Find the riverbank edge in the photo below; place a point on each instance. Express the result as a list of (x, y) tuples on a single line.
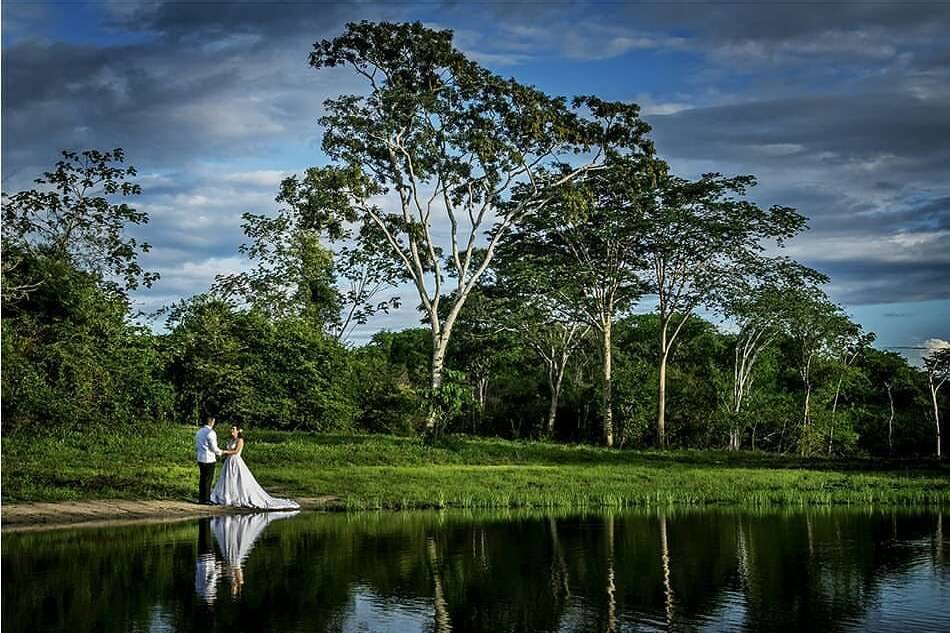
[(36, 516), (42, 516)]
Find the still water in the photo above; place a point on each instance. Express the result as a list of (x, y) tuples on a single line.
[(835, 570)]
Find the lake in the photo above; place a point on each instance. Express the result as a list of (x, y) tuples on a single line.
[(672, 570)]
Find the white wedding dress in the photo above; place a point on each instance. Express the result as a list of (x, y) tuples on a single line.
[(237, 487)]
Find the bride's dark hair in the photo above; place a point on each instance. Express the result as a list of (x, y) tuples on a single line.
[(240, 431)]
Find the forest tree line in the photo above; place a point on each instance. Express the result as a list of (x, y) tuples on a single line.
[(560, 267)]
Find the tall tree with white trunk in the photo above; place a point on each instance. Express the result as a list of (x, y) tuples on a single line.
[(937, 364), (757, 303), (847, 346), (525, 305), (698, 235), (590, 246), (813, 323), (428, 156)]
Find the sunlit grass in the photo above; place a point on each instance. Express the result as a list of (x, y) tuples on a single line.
[(375, 471)]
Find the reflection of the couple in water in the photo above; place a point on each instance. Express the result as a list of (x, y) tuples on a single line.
[(235, 536)]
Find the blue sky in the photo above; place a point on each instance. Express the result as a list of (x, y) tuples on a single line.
[(840, 109)]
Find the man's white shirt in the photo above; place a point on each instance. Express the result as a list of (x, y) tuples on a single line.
[(206, 445)]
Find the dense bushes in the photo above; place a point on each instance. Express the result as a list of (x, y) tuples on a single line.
[(280, 373), (71, 356)]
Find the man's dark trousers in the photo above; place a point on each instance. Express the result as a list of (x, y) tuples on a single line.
[(206, 474)]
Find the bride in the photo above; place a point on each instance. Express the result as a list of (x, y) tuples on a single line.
[(236, 485)]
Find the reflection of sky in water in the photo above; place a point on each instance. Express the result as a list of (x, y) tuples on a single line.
[(372, 612), (908, 602), (161, 621), (729, 616)]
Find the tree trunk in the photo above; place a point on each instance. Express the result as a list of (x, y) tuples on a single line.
[(439, 345), (482, 396), (555, 377), (834, 413), (661, 395), (933, 395), (736, 400), (806, 419), (890, 420), (805, 372), (608, 398), (661, 402), (482, 401)]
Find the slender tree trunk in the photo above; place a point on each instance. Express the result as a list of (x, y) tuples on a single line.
[(806, 414), (834, 413), (482, 400), (890, 420), (555, 378), (661, 395), (661, 403), (608, 384), (736, 401), (933, 396), (748, 345), (807, 419), (482, 396)]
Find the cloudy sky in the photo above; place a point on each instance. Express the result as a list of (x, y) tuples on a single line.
[(841, 109)]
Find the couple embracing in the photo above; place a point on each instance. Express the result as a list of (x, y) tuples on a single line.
[(236, 485)]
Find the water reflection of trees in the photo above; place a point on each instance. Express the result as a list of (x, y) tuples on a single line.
[(515, 572)]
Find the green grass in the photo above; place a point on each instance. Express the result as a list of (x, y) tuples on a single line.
[(373, 471)]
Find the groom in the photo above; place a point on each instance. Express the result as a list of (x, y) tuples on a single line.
[(207, 453)]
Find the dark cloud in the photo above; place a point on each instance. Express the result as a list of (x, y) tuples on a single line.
[(846, 127), (869, 281), (782, 22), (839, 108), (869, 170), (192, 19), (169, 104)]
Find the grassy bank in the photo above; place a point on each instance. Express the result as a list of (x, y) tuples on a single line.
[(380, 471)]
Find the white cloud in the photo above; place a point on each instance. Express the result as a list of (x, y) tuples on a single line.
[(933, 344)]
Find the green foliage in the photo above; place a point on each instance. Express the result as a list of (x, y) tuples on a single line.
[(77, 216), (262, 372), (70, 357), (391, 371)]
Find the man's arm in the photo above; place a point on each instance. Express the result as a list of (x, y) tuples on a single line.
[(213, 443)]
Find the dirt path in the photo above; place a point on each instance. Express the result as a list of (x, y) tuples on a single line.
[(39, 516)]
